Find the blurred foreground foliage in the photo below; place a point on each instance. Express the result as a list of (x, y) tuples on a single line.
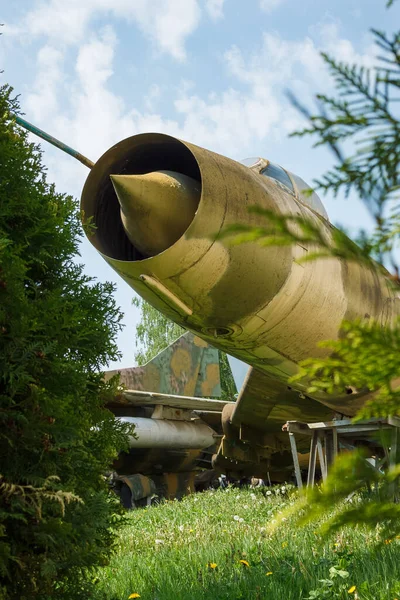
[(364, 113), (360, 124), (359, 492), (57, 330)]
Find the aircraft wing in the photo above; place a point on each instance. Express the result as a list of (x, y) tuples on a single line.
[(144, 398), (253, 433), (265, 404)]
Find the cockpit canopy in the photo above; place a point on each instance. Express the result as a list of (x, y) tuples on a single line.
[(293, 183)]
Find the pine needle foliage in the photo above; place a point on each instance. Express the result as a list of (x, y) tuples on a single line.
[(364, 110), (361, 125), (285, 230), (355, 493), (57, 330), (368, 355), (365, 113), (364, 118)]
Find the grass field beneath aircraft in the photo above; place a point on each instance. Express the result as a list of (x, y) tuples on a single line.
[(216, 545)]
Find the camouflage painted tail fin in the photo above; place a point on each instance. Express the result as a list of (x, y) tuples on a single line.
[(187, 367)]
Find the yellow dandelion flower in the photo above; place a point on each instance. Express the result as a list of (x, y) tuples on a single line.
[(388, 541), (284, 544), (269, 573), (244, 563), (212, 565), (352, 589), (134, 595)]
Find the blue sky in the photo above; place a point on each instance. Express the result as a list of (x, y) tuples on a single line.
[(213, 72)]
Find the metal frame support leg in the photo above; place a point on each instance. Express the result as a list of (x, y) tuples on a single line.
[(335, 443), (321, 458), (313, 459), (297, 471), (330, 448)]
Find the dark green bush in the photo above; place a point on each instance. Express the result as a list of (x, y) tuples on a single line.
[(57, 330)]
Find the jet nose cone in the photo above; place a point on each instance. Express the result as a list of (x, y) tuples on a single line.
[(156, 208)]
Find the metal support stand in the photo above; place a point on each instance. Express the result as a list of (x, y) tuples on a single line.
[(337, 434), (313, 459), (295, 461)]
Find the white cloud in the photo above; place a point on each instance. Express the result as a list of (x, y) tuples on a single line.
[(255, 110), (250, 111), (342, 49), (96, 117), (270, 5), (167, 23), (94, 64), (42, 101), (227, 123), (57, 20), (277, 61), (215, 9), (152, 97)]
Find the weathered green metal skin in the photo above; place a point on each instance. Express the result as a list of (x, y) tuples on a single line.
[(257, 303), (140, 486), (187, 367)]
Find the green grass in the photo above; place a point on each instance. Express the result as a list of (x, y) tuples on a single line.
[(165, 551)]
